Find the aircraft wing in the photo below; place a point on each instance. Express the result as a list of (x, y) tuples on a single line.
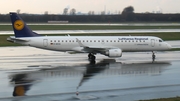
[(99, 47), (91, 49), (94, 49)]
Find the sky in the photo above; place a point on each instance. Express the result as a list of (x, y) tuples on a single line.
[(84, 6)]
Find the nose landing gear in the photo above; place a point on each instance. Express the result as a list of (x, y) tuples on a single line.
[(153, 56), (91, 57)]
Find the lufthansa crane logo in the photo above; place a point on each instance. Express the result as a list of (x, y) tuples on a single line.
[(18, 24)]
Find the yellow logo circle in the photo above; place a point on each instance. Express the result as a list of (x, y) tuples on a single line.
[(18, 25)]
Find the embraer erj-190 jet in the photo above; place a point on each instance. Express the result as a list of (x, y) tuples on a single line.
[(111, 46)]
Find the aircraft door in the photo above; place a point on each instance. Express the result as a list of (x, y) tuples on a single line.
[(152, 42), (45, 42)]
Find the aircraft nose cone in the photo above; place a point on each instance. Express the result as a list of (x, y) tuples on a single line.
[(169, 46)]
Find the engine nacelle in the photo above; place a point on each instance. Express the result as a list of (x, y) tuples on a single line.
[(114, 53)]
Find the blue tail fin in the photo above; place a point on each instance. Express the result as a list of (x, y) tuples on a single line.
[(20, 27)]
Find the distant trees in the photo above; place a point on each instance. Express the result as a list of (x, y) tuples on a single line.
[(70, 15), (46, 13), (91, 13), (73, 12), (18, 11), (128, 14), (65, 11), (103, 13), (128, 9)]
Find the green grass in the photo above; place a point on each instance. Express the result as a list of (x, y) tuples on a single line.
[(86, 27), (175, 49), (4, 42), (165, 99)]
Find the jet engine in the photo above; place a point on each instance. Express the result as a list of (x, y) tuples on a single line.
[(114, 53)]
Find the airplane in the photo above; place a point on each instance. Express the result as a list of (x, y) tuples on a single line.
[(111, 46)]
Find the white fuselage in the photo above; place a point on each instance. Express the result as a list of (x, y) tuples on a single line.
[(74, 43)]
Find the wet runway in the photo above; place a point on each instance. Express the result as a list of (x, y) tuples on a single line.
[(29, 74), (98, 31)]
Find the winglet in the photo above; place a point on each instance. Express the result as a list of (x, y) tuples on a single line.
[(20, 27)]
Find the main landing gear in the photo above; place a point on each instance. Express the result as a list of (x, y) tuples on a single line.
[(91, 57), (153, 56)]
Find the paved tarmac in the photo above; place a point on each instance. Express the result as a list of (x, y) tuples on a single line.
[(29, 74), (97, 31)]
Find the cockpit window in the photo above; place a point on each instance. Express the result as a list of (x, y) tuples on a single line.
[(160, 40)]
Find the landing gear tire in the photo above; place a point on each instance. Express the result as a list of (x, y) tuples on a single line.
[(153, 56), (91, 57)]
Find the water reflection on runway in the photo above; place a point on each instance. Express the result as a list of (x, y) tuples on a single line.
[(29, 74), (104, 75)]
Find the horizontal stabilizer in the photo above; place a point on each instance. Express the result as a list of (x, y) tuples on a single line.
[(13, 39)]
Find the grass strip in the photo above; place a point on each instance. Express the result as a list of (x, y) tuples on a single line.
[(164, 99)]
